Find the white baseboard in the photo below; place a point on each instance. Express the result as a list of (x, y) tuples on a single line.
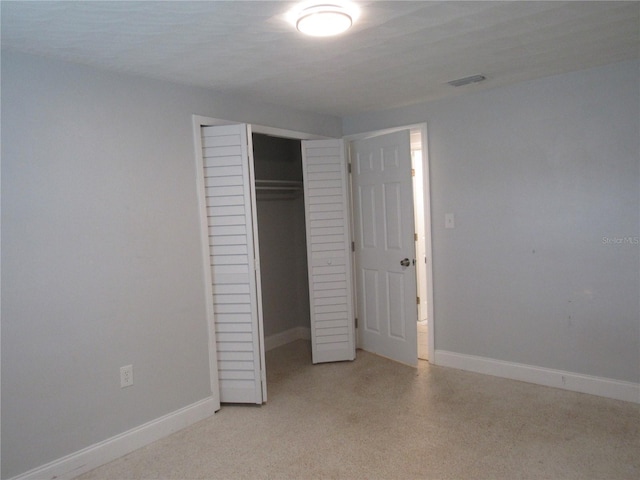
[(603, 387), (98, 454), (288, 336)]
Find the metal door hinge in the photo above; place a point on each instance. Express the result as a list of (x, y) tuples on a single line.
[(413, 172), (418, 300), (353, 246), (349, 167), (415, 237), (356, 323)]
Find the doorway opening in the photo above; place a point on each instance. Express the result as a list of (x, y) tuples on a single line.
[(282, 243), (421, 254), (390, 192)]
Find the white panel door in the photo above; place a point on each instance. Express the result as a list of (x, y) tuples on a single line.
[(328, 250), (228, 190), (384, 241)]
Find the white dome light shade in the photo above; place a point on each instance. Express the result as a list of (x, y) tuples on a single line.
[(324, 20)]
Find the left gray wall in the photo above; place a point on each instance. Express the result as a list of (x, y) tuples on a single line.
[(101, 257)]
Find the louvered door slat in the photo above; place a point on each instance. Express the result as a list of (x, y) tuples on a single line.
[(228, 206), (328, 250)]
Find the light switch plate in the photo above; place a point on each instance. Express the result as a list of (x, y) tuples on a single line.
[(449, 220)]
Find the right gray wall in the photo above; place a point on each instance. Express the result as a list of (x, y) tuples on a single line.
[(543, 265)]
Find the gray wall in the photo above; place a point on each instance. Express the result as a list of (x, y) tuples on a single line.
[(283, 262), (537, 175), (101, 257)]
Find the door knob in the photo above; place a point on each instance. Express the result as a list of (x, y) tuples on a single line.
[(405, 262)]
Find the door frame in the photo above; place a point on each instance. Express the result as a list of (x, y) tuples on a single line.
[(422, 127), (199, 121)]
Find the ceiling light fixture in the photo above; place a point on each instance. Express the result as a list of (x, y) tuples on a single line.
[(324, 19)]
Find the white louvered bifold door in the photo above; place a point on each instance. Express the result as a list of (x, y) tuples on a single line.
[(328, 250), (228, 192)]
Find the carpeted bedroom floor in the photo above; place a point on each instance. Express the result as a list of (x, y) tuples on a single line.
[(377, 419)]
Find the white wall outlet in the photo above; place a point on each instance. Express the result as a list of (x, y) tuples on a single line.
[(449, 220), (126, 376)]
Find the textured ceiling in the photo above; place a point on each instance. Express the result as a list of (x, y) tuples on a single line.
[(398, 53)]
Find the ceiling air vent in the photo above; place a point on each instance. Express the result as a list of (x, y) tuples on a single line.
[(467, 80)]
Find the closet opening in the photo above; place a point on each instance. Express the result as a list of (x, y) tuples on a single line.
[(282, 242)]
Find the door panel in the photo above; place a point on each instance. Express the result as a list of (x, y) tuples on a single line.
[(232, 255), (370, 311), (397, 314), (384, 234), (328, 252), (392, 216)]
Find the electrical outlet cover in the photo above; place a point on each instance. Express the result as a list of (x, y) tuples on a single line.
[(126, 376)]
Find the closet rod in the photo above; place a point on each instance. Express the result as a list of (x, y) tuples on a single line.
[(278, 185)]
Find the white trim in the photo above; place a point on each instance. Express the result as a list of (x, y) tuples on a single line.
[(603, 387), (263, 129), (384, 131), (278, 339), (198, 123), (82, 461), (283, 133)]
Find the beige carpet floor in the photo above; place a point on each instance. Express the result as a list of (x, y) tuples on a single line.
[(376, 419)]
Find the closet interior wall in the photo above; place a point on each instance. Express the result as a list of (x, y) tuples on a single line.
[(281, 235)]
